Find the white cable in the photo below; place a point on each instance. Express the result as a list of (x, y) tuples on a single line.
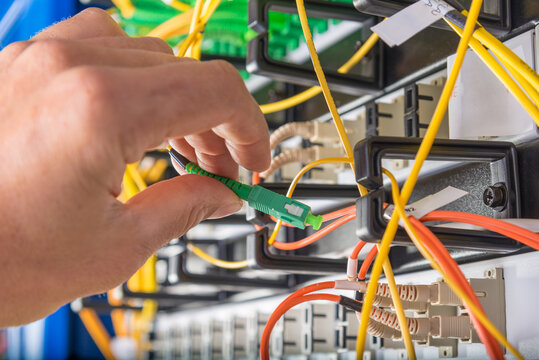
[(305, 129), (295, 155)]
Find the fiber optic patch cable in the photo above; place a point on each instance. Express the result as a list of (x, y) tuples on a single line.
[(259, 198)]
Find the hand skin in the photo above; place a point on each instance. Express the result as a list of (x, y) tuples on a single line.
[(79, 102)]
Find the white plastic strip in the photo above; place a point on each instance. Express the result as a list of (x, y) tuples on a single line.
[(360, 286), (438, 7), (351, 269), (410, 21), (429, 203)]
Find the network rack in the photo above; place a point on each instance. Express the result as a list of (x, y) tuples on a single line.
[(204, 311)]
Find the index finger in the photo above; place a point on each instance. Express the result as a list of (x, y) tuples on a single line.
[(141, 107), (177, 100), (90, 23)]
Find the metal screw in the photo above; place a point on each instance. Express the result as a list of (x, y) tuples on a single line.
[(495, 196)]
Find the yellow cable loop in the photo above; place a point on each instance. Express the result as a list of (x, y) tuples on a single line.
[(173, 26), (315, 90), (97, 331), (325, 88), (416, 239), (126, 8), (505, 78), (421, 156), (214, 261), (294, 183)]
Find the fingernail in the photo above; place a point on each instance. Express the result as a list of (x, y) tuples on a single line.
[(228, 209)]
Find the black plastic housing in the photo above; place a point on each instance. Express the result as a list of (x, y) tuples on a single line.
[(371, 223), (259, 62), (260, 256)]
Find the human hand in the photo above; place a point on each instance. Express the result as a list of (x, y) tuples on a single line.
[(79, 102)]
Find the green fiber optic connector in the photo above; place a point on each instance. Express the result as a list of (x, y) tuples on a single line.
[(288, 210)]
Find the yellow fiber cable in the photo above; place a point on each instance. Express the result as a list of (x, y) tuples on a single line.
[(397, 303), (117, 315), (214, 261), (504, 53), (200, 26), (195, 19), (291, 101), (144, 279), (118, 322), (322, 79), (325, 88), (144, 322), (97, 331), (178, 5), (196, 49), (148, 277), (129, 188), (294, 183), (315, 90), (126, 8), (155, 173), (421, 156), (173, 26), (504, 77), (481, 317), (189, 40), (530, 90), (135, 175)]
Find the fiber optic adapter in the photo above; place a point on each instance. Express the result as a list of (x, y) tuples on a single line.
[(279, 206)]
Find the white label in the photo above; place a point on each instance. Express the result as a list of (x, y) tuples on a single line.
[(429, 203), (294, 209), (410, 20), (438, 7)]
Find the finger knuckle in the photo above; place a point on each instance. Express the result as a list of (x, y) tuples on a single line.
[(226, 72), (99, 17), (229, 77), (55, 54), (95, 90), (94, 14), (15, 49), (158, 44)]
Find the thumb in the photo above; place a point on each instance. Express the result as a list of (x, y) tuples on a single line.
[(168, 209)]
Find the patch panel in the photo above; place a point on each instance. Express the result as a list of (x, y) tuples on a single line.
[(328, 331), (405, 113)]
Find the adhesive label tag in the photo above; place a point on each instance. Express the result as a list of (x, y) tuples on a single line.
[(429, 203), (410, 21)]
